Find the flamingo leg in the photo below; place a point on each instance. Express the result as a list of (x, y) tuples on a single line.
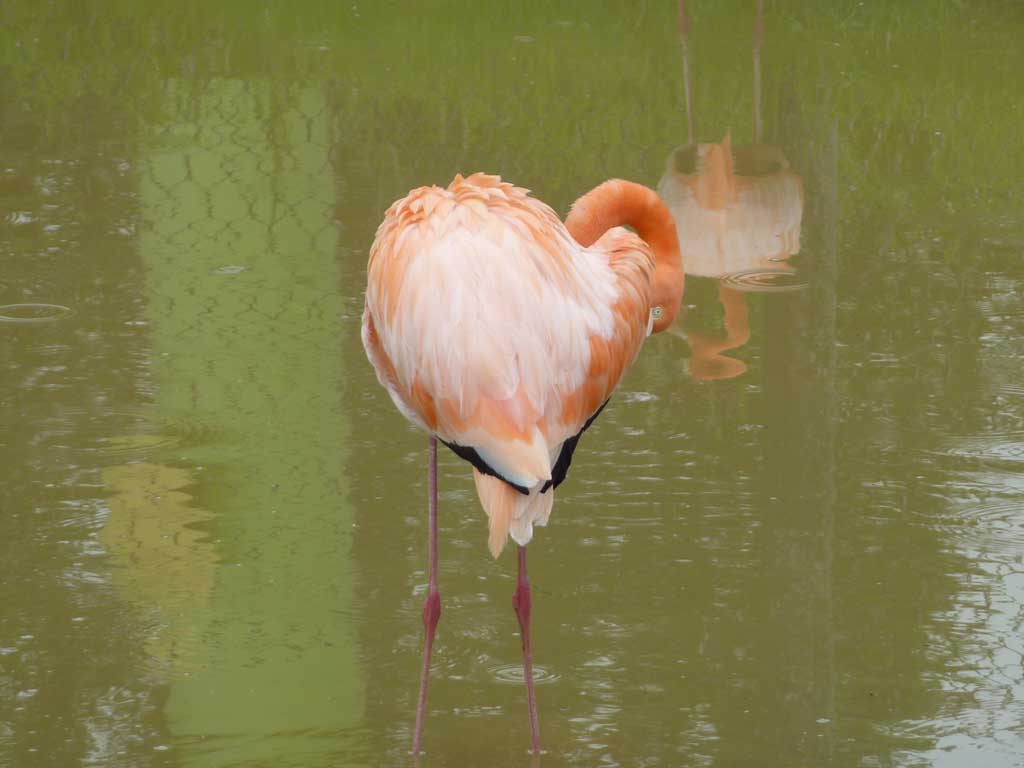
[(432, 605), (521, 602)]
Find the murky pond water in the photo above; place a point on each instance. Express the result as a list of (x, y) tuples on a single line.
[(796, 537)]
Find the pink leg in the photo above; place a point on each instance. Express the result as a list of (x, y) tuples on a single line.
[(521, 602), (432, 605)]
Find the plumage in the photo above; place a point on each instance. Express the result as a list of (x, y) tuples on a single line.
[(493, 328)]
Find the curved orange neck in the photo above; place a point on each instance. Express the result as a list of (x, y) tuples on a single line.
[(623, 203)]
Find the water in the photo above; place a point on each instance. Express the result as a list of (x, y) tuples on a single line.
[(794, 538)]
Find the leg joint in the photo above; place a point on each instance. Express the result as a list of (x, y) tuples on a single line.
[(432, 610)]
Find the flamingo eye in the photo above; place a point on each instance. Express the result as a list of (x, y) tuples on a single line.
[(656, 312)]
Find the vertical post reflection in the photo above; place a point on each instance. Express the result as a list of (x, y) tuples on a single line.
[(240, 260)]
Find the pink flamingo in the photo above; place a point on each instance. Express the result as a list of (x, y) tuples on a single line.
[(502, 333)]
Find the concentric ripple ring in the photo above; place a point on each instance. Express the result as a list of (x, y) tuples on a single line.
[(32, 313), (764, 281)]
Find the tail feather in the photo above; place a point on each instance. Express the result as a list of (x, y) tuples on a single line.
[(545, 502), (510, 512)]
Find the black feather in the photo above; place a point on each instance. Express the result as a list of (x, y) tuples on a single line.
[(561, 468)]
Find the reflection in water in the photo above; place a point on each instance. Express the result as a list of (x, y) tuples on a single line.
[(736, 209), (156, 537), (738, 212), (247, 360), (707, 363)]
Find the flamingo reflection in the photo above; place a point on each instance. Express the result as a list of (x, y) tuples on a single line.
[(738, 212)]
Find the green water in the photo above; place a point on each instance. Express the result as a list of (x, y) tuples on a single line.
[(213, 520)]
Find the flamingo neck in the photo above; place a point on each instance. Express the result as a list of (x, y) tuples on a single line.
[(623, 203)]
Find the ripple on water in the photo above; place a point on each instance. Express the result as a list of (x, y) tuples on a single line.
[(764, 281), (229, 269), (1004, 515), (512, 674), (32, 313), (1000, 520), (135, 432), (985, 514), (136, 444), (1005, 447)]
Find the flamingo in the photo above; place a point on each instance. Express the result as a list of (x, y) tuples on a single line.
[(502, 333)]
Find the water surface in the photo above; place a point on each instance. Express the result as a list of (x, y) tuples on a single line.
[(795, 538)]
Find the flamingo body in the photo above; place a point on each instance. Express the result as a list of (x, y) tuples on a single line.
[(493, 328)]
